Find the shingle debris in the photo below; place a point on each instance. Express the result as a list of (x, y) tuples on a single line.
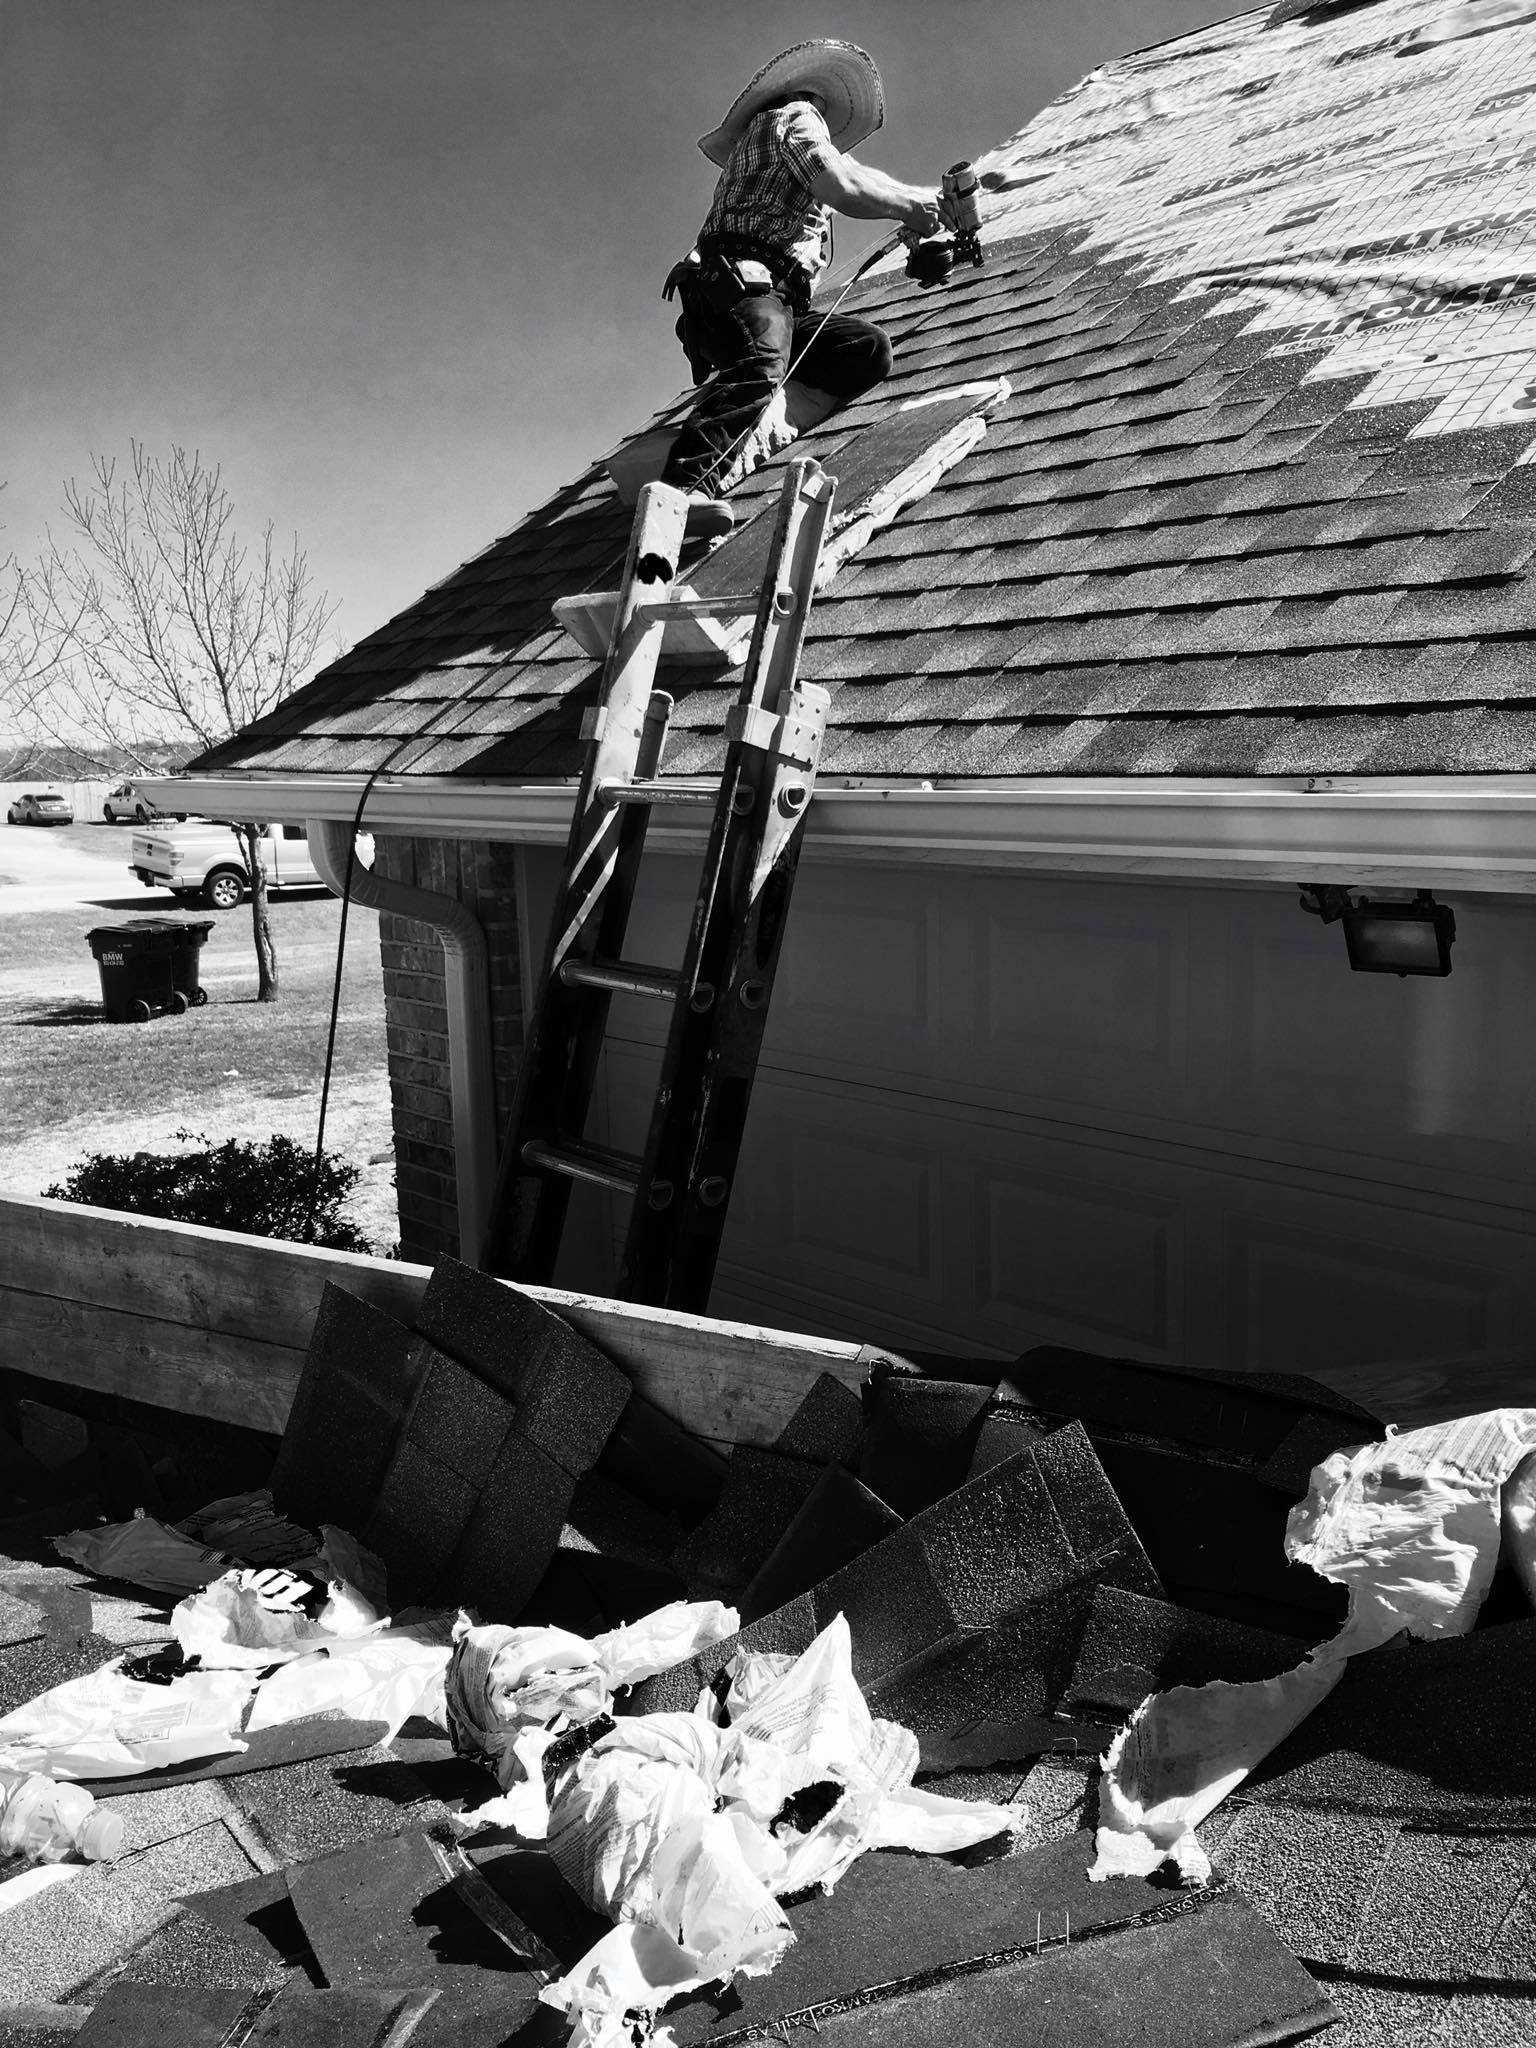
[(1012, 1607)]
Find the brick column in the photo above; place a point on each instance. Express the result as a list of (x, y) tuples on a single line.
[(480, 873)]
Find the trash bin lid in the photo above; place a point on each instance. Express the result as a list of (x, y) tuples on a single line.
[(150, 936)]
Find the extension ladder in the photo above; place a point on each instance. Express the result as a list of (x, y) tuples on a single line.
[(679, 1188)]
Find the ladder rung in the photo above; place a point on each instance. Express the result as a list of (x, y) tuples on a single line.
[(727, 607), (643, 791), (579, 1161), (622, 977)]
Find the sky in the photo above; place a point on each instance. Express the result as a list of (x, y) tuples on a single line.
[(395, 265)]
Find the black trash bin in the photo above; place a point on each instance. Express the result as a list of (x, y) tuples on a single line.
[(148, 967), (186, 963)]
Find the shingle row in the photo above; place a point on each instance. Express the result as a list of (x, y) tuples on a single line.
[(1170, 554)]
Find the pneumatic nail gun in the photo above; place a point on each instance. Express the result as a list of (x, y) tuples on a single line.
[(929, 261)]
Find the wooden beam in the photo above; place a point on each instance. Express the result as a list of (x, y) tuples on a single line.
[(215, 1280), (210, 1322), (168, 1365)]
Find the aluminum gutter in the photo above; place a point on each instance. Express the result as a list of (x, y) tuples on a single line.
[(1471, 832)]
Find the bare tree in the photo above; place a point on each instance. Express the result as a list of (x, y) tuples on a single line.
[(155, 624), (20, 661)]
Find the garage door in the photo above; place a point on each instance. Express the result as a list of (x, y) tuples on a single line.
[(1161, 1120)]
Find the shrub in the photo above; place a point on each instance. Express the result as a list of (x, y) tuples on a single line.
[(270, 1190)]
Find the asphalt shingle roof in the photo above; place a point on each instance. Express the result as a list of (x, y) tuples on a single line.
[(1256, 506)]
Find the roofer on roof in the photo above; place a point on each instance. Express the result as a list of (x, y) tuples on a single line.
[(746, 289)]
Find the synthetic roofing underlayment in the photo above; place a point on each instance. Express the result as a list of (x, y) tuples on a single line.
[(1258, 503)]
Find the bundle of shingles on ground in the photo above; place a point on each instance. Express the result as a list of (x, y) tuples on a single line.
[(1020, 1559)]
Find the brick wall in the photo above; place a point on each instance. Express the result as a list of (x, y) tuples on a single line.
[(482, 874)]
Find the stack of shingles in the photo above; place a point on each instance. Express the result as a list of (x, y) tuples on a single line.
[(1003, 1601), (490, 1456), (996, 1518)]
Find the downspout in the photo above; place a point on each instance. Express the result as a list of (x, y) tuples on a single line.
[(467, 983)]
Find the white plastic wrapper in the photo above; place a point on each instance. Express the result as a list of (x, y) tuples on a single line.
[(242, 1620), (675, 1825), (509, 1691), (1518, 1515), (385, 1676), (106, 1725), (1413, 1528)]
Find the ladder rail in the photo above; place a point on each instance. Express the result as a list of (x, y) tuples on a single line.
[(691, 1149), (563, 1049), (678, 1188)]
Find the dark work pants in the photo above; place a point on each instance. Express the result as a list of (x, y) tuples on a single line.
[(751, 345)]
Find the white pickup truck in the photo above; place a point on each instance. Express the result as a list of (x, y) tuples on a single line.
[(205, 859)]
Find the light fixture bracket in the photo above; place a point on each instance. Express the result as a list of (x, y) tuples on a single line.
[(1386, 937)]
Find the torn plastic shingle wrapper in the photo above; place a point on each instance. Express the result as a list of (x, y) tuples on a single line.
[(1412, 1527), (510, 1693), (667, 1824), (238, 1620), (105, 1724)]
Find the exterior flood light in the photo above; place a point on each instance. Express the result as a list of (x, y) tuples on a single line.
[(1387, 938)]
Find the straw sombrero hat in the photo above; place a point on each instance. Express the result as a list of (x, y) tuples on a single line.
[(840, 73)]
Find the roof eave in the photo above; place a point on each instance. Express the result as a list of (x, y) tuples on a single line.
[(1473, 832)]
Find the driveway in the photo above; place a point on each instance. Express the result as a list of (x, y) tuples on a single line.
[(47, 867)]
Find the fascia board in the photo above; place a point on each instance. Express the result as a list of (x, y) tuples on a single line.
[(1471, 832)]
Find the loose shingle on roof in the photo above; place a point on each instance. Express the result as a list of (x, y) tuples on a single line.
[(1259, 503)]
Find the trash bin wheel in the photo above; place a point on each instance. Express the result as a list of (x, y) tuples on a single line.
[(199, 997), (181, 1002), (139, 1012)]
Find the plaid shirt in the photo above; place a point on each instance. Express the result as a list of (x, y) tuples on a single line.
[(765, 192)]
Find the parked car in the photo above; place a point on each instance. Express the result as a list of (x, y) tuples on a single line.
[(125, 806), (205, 859), (40, 807)]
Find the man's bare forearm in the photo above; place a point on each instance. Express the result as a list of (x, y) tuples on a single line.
[(864, 193)]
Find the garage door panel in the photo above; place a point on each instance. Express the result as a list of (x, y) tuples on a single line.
[(1063, 991), (1226, 1015), (1073, 1251), (997, 1111), (1033, 1237), (888, 1228), (1418, 1057), (857, 974), (980, 1227), (1383, 1289)]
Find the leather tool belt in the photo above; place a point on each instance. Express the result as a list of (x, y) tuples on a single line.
[(736, 267)]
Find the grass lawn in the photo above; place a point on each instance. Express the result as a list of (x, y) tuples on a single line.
[(71, 1083)]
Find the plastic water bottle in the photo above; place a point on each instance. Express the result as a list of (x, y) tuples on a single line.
[(49, 1822)]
